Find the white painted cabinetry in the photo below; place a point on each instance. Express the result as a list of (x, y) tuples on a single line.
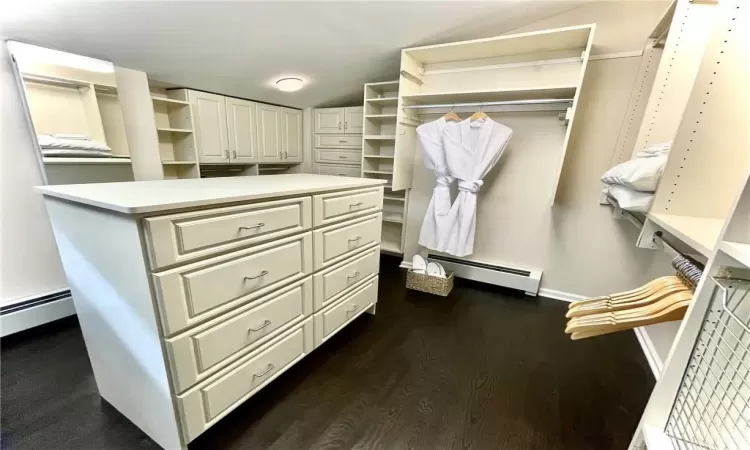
[(243, 143), (219, 286), (338, 141), (210, 116), (329, 120), (291, 135), (269, 133), (353, 120)]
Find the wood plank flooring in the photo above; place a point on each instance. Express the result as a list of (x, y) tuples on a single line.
[(482, 369)]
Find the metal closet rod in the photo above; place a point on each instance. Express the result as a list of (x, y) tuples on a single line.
[(541, 101), (671, 251)]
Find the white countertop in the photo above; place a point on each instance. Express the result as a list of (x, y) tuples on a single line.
[(139, 197)]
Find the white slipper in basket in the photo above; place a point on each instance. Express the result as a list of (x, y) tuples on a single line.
[(419, 264), (435, 269)]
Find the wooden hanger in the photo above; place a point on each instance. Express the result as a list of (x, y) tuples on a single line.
[(649, 287), (451, 116), (478, 115), (673, 312), (629, 302)]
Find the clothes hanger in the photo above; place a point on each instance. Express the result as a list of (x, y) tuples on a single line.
[(651, 286), (637, 311), (674, 312), (451, 116), (479, 115), (630, 303)]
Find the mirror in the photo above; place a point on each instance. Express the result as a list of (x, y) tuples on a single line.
[(75, 114)]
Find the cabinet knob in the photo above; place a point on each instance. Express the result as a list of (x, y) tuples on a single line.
[(346, 124), (234, 154), (339, 125)]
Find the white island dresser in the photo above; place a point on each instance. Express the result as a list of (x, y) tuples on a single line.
[(192, 295)]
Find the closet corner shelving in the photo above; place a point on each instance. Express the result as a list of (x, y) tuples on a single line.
[(174, 127), (378, 150), (540, 70), (702, 203)]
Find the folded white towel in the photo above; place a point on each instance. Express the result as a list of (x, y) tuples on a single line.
[(631, 200), (49, 141), (641, 174)]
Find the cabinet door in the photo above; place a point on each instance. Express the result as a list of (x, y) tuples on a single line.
[(291, 138), (329, 120), (210, 122), (269, 133), (353, 120), (243, 142)]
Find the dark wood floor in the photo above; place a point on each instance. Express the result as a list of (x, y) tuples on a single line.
[(482, 369)]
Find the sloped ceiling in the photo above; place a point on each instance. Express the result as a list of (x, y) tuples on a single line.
[(241, 48)]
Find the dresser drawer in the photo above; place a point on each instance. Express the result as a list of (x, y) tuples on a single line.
[(196, 292), (332, 319), (203, 405), (340, 171), (330, 141), (203, 350), (338, 242), (338, 206), (339, 156), (330, 282), (184, 237)]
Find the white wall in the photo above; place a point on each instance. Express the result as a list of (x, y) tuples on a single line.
[(29, 263), (577, 243)]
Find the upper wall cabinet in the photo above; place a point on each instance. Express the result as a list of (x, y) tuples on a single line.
[(291, 135), (210, 117), (243, 144), (269, 133), (339, 120)]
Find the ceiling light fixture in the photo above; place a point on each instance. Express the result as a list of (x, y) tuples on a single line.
[(289, 84)]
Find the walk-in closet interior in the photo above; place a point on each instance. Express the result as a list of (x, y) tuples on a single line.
[(504, 226)]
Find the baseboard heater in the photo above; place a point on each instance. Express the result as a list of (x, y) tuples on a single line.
[(35, 311), (522, 279)]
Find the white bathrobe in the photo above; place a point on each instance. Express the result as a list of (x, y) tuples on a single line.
[(471, 150), (430, 139)]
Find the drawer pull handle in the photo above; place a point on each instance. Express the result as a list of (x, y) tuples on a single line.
[(355, 239), (342, 174), (354, 308), (253, 227), (343, 157), (356, 205), (265, 372), (354, 275), (342, 142), (262, 273), (265, 324)]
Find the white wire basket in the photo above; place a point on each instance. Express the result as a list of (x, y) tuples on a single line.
[(712, 408)]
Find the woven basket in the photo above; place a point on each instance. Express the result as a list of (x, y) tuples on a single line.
[(430, 284)]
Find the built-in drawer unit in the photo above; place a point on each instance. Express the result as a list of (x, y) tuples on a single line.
[(330, 282), (333, 318), (201, 406), (184, 237), (338, 242), (338, 206), (339, 170), (202, 350), (338, 156), (193, 293), (330, 141)]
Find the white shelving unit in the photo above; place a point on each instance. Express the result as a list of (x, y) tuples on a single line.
[(703, 205), (174, 126), (378, 150)]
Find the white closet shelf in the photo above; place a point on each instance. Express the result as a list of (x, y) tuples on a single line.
[(531, 93), (175, 130), (178, 163), (393, 217), (379, 172), (92, 161), (67, 82), (700, 233), (394, 198), (383, 85), (378, 156), (384, 101), (738, 251), (380, 137), (168, 101), (381, 117), (390, 246)]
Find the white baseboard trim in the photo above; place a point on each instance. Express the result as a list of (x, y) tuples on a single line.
[(405, 264), (560, 295), (34, 316), (652, 357)]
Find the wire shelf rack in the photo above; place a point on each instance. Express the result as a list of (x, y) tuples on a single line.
[(712, 408)]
